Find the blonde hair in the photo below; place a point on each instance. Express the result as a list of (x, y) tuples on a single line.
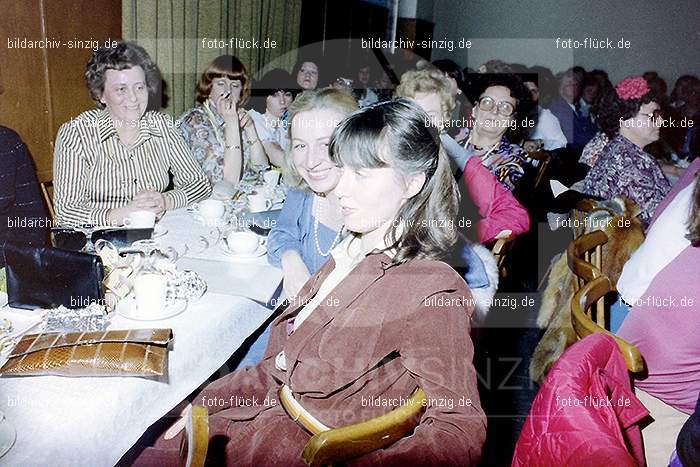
[(427, 80), (322, 99)]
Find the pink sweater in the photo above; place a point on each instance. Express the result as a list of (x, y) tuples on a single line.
[(666, 325)]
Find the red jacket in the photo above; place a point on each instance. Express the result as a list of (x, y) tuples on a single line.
[(497, 206), (585, 413)]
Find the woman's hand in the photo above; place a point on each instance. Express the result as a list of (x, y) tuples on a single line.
[(150, 200), (178, 426), (228, 109), (153, 201), (244, 119), (295, 273)]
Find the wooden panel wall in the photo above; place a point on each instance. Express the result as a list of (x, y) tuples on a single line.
[(43, 88)]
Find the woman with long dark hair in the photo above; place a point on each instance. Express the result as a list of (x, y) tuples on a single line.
[(357, 333)]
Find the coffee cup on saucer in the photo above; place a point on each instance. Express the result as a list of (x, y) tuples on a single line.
[(140, 220), (271, 178), (242, 243), (149, 293), (212, 209), (258, 203)]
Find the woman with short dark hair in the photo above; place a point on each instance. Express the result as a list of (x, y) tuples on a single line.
[(271, 97), (631, 117), (118, 158), (502, 98), (307, 74)]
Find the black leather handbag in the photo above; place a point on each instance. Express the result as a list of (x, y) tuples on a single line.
[(75, 240), (46, 277)]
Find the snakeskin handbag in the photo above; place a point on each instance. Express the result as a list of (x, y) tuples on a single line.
[(130, 352)]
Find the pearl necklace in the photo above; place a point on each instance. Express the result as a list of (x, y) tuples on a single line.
[(317, 213)]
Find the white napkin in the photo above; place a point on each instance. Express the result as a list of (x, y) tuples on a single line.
[(557, 187)]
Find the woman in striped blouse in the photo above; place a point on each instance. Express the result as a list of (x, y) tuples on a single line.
[(117, 159)]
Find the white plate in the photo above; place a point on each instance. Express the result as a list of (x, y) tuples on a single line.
[(22, 321), (127, 308), (159, 231), (3, 299), (262, 249), (7, 435)]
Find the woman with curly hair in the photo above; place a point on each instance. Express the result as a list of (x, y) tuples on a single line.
[(630, 116), (118, 158), (502, 98)]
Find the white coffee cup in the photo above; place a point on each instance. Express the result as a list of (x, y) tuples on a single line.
[(212, 209), (271, 177), (242, 243), (149, 291), (259, 203), (140, 220)]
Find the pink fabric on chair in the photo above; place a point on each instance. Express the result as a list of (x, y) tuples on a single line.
[(496, 204), (585, 413)]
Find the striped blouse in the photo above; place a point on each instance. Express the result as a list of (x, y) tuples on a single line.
[(93, 172)]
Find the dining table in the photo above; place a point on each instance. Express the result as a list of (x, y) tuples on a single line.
[(94, 421)]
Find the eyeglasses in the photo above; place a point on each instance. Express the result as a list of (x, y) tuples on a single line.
[(504, 108), (657, 114), (344, 82)]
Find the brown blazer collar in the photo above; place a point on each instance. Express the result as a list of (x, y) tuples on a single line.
[(366, 273)]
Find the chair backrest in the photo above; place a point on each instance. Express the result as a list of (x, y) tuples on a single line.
[(585, 256), (584, 325), (500, 251), (544, 160), (47, 192), (341, 444), (579, 213), (195, 443), (585, 259)]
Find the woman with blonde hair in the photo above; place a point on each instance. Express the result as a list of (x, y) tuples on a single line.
[(310, 223)]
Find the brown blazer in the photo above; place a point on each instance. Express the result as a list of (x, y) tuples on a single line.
[(381, 333)]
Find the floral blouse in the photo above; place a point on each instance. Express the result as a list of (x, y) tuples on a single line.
[(200, 132), (591, 152), (624, 169), (506, 161)]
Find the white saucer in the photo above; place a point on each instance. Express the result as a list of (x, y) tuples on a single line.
[(262, 249), (7, 435), (22, 321), (127, 308), (159, 231)]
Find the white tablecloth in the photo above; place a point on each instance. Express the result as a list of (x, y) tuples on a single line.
[(93, 421), (252, 278)]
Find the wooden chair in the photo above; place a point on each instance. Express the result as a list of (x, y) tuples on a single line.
[(544, 160), (500, 251), (195, 443), (578, 216), (584, 325), (47, 191), (585, 259), (585, 256), (341, 444)]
